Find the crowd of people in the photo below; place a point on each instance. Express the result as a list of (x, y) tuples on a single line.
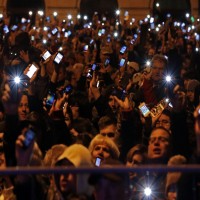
[(81, 93)]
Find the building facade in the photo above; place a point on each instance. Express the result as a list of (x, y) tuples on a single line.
[(137, 8)]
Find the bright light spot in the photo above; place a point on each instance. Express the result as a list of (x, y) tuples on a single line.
[(168, 78), (30, 13), (117, 23), (183, 24), (117, 12), (193, 27), (151, 20), (148, 63), (198, 20), (44, 41), (168, 15), (133, 20), (196, 49), (166, 100), (85, 17), (40, 12), (45, 28), (115, 34), (157, 5), (178, 23), (55, 14), (187, 15), (60, 49), (148, 16), (157, 29), (1, 15), (17, 80), (69, 17), (78, 16), (147, 191)]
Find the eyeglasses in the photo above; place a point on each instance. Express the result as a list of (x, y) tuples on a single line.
[(160, 139), (110, 134), (165, 122)]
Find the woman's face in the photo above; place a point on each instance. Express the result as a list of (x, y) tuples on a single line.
[(23, 108)]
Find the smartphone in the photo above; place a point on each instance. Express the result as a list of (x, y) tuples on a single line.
[(98, 162), (23, 20), (14, 28), (144, 109), (100, 83), (23, 28), (50, 99), (58, 58), (46, 55), (31, 71), (54, 31), (5, 29), (68, 89), (123, 49), (122, 62), (32, 37), (107, 62), (95, 67), (89, 74), (85, 48), (29, 137)]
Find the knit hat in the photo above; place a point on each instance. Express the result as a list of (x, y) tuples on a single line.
[(133, 65), (192, 84), (99, 139)]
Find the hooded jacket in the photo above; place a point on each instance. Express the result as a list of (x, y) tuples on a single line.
[(78, 156)]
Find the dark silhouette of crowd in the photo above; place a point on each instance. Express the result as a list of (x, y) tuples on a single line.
[(99, 93)]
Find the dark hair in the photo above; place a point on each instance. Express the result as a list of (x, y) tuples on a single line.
[(80, 99), (106, 121)]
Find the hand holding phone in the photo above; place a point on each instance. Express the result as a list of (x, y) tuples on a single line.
[(29, 137), (58, 58), (31, 70), (144, 109), (46, 55), (122, 62)]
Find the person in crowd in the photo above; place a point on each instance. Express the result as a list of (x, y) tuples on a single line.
[(100, 89), (152, 89), (103, 148), (110, 185), (173, 177), (68, 185), (159, 152), (136, 156)]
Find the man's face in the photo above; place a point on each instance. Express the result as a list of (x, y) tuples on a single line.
[(113, 104), (109, 131), (164, 121), (159, 146), (157, 70)]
